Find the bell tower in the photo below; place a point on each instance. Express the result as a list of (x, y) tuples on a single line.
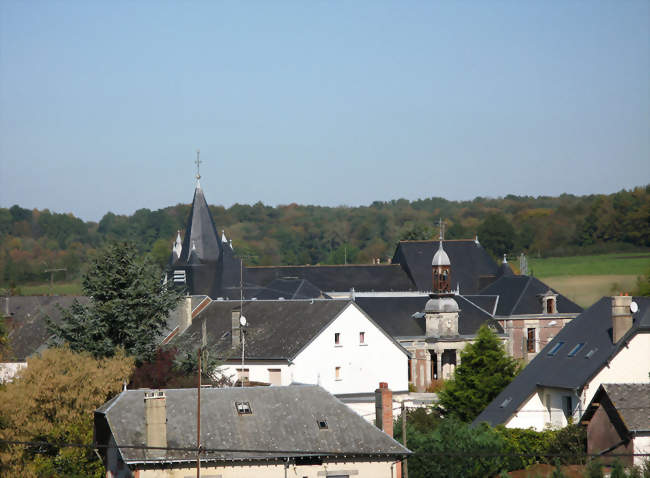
[(441, 267)]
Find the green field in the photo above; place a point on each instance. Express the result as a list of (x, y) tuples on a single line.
[(632, 263), (60, 288), (585, 279)]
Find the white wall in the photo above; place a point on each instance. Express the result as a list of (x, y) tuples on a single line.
[(8, 370), (362, 366), (630, 365), (641, 445), (258, 371)]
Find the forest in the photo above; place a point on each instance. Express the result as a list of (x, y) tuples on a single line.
[(35, 241)]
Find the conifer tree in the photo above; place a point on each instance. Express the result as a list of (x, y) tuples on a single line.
[(128, 307), (484, 371)]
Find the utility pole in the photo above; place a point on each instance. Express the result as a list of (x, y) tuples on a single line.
[(198, 421), (52, 271), (405, 470)]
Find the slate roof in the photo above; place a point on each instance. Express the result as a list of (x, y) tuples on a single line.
[(593, 328), (395, 315), (328, 278), (200, 232), (471, 265), (519, 295), (289, 288), (284, 423), (277, 329), (27, 330), (627, 403)]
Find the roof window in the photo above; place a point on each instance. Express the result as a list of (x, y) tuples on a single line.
[(591, 353), (573, 352), (322, 424), (555, 349), (505, 403), (243, 408)]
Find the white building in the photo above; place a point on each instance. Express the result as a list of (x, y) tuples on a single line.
[(608, 343), (331, 343)]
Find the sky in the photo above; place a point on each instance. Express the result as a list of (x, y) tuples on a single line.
[(104, 104)]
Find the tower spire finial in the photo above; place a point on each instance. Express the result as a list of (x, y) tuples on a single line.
[(198, 166), (441, 223)]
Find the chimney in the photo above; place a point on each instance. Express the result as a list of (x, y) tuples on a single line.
[(384, 408), (235, 332), (621, 316), (155, 418)]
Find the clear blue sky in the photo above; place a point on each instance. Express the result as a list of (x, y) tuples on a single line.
[(103, 104)]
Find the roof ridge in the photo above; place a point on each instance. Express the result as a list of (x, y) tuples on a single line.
[(523, 291), (324, 265)]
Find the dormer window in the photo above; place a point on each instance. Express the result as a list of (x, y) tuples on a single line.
[(243, 408), (550, 306), (549, 303)]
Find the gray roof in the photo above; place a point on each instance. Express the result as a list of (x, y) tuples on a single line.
[(277, 329), (628, 404), (283, 423), (27, 329), (290, 288), (520, 295), (471, 266), (593, 329), (395, 315)]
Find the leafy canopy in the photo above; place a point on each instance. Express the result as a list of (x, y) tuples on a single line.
[(484, 371), (128, 308), (52, 400)]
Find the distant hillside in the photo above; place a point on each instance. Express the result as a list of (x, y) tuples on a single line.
[(32, 241)]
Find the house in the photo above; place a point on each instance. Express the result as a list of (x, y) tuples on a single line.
[(618, 421), (530, 312), (331, 343), (299, 430), (27, 331), (607, 343)]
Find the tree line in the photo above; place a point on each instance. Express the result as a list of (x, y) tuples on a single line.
[(33, 241)]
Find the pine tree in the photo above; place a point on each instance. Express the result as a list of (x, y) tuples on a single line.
[(128, 307), (484, 371)]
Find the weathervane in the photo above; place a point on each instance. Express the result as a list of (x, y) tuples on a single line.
[(198, 164)]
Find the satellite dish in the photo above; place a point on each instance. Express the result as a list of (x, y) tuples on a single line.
[(242, 321), (634, 307)]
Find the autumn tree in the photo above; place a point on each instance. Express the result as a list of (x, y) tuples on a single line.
[(52, 401), (485, 369), (497, 234), (128, 306)]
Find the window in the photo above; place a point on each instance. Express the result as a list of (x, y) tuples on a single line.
[(275, 376), (362, 338), (243, 408), (555, 349), (337, 373), (530, 341), (591, 353), (576, 349), (243, 374), (322, 424), (410, 375), (179, 276), (337, 338), (567, 405), (550, 306)]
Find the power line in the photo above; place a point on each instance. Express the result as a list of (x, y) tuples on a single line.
[(302, 452)]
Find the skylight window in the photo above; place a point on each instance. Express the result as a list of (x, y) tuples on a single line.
[(243, 408), (555, 349), (573, 352), (322, 424), (505, 403), (591, 353)]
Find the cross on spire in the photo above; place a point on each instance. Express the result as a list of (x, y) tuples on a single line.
[(198, 164), (441, 223)]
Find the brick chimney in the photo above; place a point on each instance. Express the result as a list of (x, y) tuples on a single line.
[(236, 331), (621, 316), (384, 408), (155, 417)]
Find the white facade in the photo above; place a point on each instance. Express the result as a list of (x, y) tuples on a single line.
[(546, 407), (364, 356)]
